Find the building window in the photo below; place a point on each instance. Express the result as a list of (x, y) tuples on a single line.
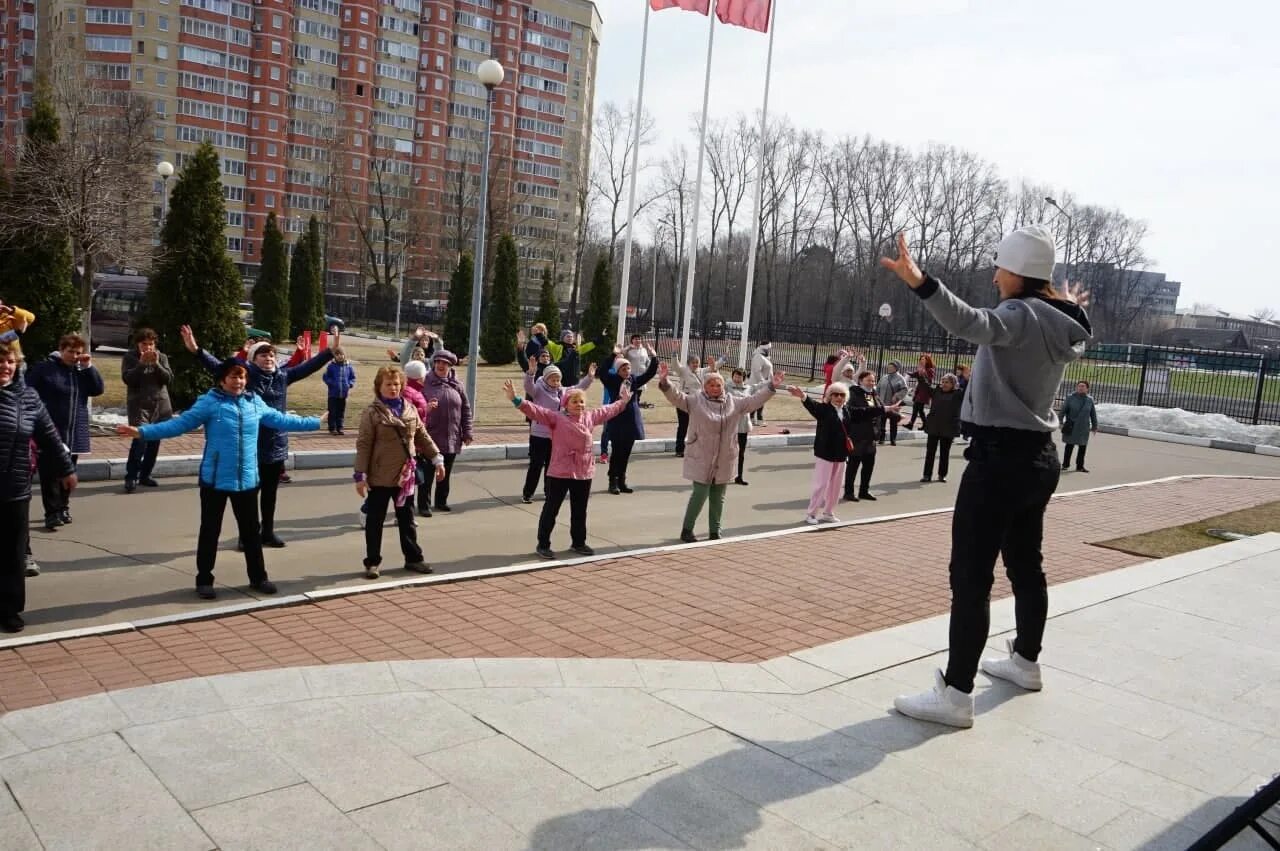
[(140, 19), (276, 22), (162, 23), (139, 75), (142, 48), (162, 78), (162, 51)]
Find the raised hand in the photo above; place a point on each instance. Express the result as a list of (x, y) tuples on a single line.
[(663, 371), (510, 390), (521, 339), (903, 266), (533, 367), (127, 431), (1077, 294), (649, 348), (189, 339), (335, 337), (419, 332), (591, 370), (777, 379), (795, 391), (393, 354), (617, 349), (624, 392)]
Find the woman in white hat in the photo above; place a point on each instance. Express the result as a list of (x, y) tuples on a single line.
[(1024, 345)]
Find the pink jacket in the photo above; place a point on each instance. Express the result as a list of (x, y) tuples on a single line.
[(414, 397), (572, 449)]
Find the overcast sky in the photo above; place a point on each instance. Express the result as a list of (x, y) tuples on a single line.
[(1166, 109)]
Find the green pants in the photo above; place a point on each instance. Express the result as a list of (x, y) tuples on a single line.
[(698, 498)]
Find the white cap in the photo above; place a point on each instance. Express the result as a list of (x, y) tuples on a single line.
[(416, 369), (1027, 251)]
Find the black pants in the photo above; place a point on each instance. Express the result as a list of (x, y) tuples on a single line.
[(944, 460), (14, 517), (742, 451), (604, 439), (337, 413), (890, 425), (865, 463), (142, 459), (999, 512), (54, 496), (539, 460), (682, 429), (1066, 455), (757, 416), (441, 487), (376, 503), (917, 408), (269, 478), (578, 491), (619, 458), (244, 505)]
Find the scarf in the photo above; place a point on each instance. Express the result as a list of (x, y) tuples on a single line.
[(409, 470)]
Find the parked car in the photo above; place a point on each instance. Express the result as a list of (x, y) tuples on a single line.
[(117, 300)]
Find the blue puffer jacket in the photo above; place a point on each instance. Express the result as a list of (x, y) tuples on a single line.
[(231, 427), (273, 388), (65, 391), (23, 418)]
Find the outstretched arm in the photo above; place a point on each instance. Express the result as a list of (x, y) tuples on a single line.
[(308, 367)]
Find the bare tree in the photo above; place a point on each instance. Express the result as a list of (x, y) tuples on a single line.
[(729, 161), (614, 141), (94, 182), (1264, 314)]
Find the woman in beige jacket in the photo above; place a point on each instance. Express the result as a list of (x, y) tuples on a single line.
[(386, 468), (711, 450)]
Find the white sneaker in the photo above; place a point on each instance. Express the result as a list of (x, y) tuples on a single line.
[(829, 518), (33, 569), (811, 520), (364, 518), (942, 705), (1015, 669)]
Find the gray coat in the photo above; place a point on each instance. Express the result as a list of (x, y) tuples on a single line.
[(1082, 415), (147, 400)]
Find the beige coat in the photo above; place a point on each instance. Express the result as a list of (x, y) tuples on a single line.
[(711, 449), (380, 446)]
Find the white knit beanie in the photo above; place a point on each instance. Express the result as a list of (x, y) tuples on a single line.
[(550, 371), (416, 369), (1027, 251)]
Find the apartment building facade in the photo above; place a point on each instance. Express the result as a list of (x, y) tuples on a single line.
[(365, 114)]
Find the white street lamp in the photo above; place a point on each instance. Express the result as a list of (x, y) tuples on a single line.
[(1066, 259), (164, 168), (490, 73)]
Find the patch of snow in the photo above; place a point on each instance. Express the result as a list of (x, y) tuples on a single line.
[(109, 417), (1178, 421)]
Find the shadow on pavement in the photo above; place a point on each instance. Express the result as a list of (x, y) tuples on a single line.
[(683, 802)]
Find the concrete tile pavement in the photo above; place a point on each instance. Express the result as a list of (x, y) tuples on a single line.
[(604, 763)]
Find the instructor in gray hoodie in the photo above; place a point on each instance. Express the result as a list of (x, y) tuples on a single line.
[(1025, 344)]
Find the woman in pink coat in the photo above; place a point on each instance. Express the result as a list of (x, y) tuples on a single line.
[(573, 461), (711, 449)]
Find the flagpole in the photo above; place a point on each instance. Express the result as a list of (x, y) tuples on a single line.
[(637, 119), (755, 231), (697, 193)]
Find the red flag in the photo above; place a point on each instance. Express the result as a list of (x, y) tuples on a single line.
[(702, 7), (752, 14)]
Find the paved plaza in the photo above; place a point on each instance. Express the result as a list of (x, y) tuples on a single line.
[(1158, 717)]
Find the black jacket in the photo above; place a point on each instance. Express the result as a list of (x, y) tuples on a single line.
[(23, 417), (865, 413), (944, 414), (829, 437)]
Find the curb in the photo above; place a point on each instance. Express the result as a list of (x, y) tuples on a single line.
[(1191, 440)]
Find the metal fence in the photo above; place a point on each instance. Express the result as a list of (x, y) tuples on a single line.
[(1240, 385)]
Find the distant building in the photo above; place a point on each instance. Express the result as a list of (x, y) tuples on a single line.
[(1151, 293), (1263, 334), (1210, 339)]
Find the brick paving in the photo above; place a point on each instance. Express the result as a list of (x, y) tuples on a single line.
[(737, 601), (111, 446)]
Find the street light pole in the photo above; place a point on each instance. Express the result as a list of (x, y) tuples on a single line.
[(490, 73), (1066, 258), (164, 168)]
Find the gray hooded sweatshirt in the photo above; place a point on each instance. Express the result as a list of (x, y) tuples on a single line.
[(1024, 344)]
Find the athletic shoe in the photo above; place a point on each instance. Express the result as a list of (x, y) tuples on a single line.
[(811, 520), (584, 550), (1015, 669), (130, 485), (527, 500), (266, 586), (206, 592), (942, 479), (372, 573), (545, 552), (941, 705), (828, 518), (926, 479), (66, 517), (33, 569), (363, 515), (417, 567)]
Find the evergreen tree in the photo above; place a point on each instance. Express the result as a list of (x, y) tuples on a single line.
[(271, 292), (302, 289), (37, 261), (315, 247), (549, 306), (597, 319), (503, 319), (195, 283), (457, 316)]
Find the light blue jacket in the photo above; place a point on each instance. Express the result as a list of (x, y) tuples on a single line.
[(230, 461)]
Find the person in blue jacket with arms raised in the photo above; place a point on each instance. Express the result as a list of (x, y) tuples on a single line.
[(229, 470)]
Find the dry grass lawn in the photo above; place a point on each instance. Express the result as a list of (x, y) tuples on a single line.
[(309, 396), (1192, 536)]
